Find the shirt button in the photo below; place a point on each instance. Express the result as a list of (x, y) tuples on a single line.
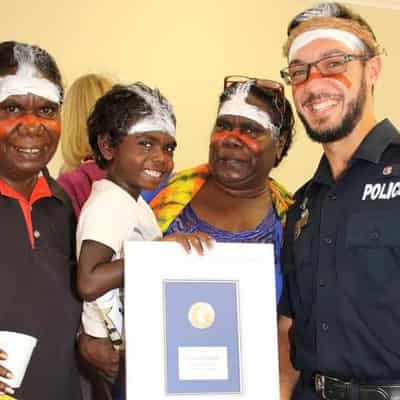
[(36, 234), (374, 235), (324, 326), (332, 196), (328, 240)]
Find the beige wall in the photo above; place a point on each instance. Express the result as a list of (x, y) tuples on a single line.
[(186, 47)]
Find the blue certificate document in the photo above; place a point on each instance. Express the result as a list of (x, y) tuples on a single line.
[(202, 353)]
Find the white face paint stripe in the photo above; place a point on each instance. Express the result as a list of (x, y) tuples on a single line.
[(237, 105), (349, 39), (25, 81), (153, 124)]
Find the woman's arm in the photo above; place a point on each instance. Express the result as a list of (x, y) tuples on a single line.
[(97, 274)]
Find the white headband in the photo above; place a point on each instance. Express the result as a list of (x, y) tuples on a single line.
[(352, 41), (237, 105), (27, 79), (160, 120)]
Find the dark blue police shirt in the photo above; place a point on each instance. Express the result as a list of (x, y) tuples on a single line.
[(342, 272)]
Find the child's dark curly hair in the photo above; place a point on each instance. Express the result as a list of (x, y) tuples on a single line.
[(114, 113)]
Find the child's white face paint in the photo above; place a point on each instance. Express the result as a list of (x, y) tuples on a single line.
[(160, 120), (349, 39), (237, 105), (153, 123), (27, 80)]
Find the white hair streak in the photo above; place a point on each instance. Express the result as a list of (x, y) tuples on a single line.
[(320, 10), (243, 89), (25, 59), (161, 118), (23, 54)]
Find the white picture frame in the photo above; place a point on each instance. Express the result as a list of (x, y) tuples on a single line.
[(149, 264)]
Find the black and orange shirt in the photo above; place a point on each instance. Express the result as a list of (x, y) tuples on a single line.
[(37, 296), (40, 190)]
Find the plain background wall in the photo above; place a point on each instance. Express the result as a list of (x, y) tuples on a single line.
[(186, 48)]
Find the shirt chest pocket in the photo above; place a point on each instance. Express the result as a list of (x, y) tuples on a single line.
[(373, 244), (373, 230)]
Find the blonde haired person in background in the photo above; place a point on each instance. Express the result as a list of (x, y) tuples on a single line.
[(79, 169), (79, 101)]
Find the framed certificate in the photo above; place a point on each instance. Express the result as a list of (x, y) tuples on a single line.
[(202, 346), (200, 326)]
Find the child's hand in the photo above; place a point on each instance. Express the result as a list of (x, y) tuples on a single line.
[(198, 240)]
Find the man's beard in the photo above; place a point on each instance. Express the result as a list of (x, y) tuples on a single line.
[(348, 124)]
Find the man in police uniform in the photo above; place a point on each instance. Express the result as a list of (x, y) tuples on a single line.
[(340, 309)]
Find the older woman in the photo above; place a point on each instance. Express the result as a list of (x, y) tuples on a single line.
[(37, 227), (232, 198)]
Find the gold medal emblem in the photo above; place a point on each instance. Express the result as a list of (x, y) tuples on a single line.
[(201, 315)]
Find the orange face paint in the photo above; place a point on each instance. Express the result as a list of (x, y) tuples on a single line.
[(316, 75), (251, 143), (7, 125)]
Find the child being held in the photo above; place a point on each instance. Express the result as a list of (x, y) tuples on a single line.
[(132, 134)]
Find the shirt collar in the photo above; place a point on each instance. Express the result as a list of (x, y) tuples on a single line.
[(371, 149), (56, 189), (45, 187), (40, 190), (377, 141), (323, 173)]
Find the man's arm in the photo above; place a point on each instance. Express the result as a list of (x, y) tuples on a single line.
[(288, 376)]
